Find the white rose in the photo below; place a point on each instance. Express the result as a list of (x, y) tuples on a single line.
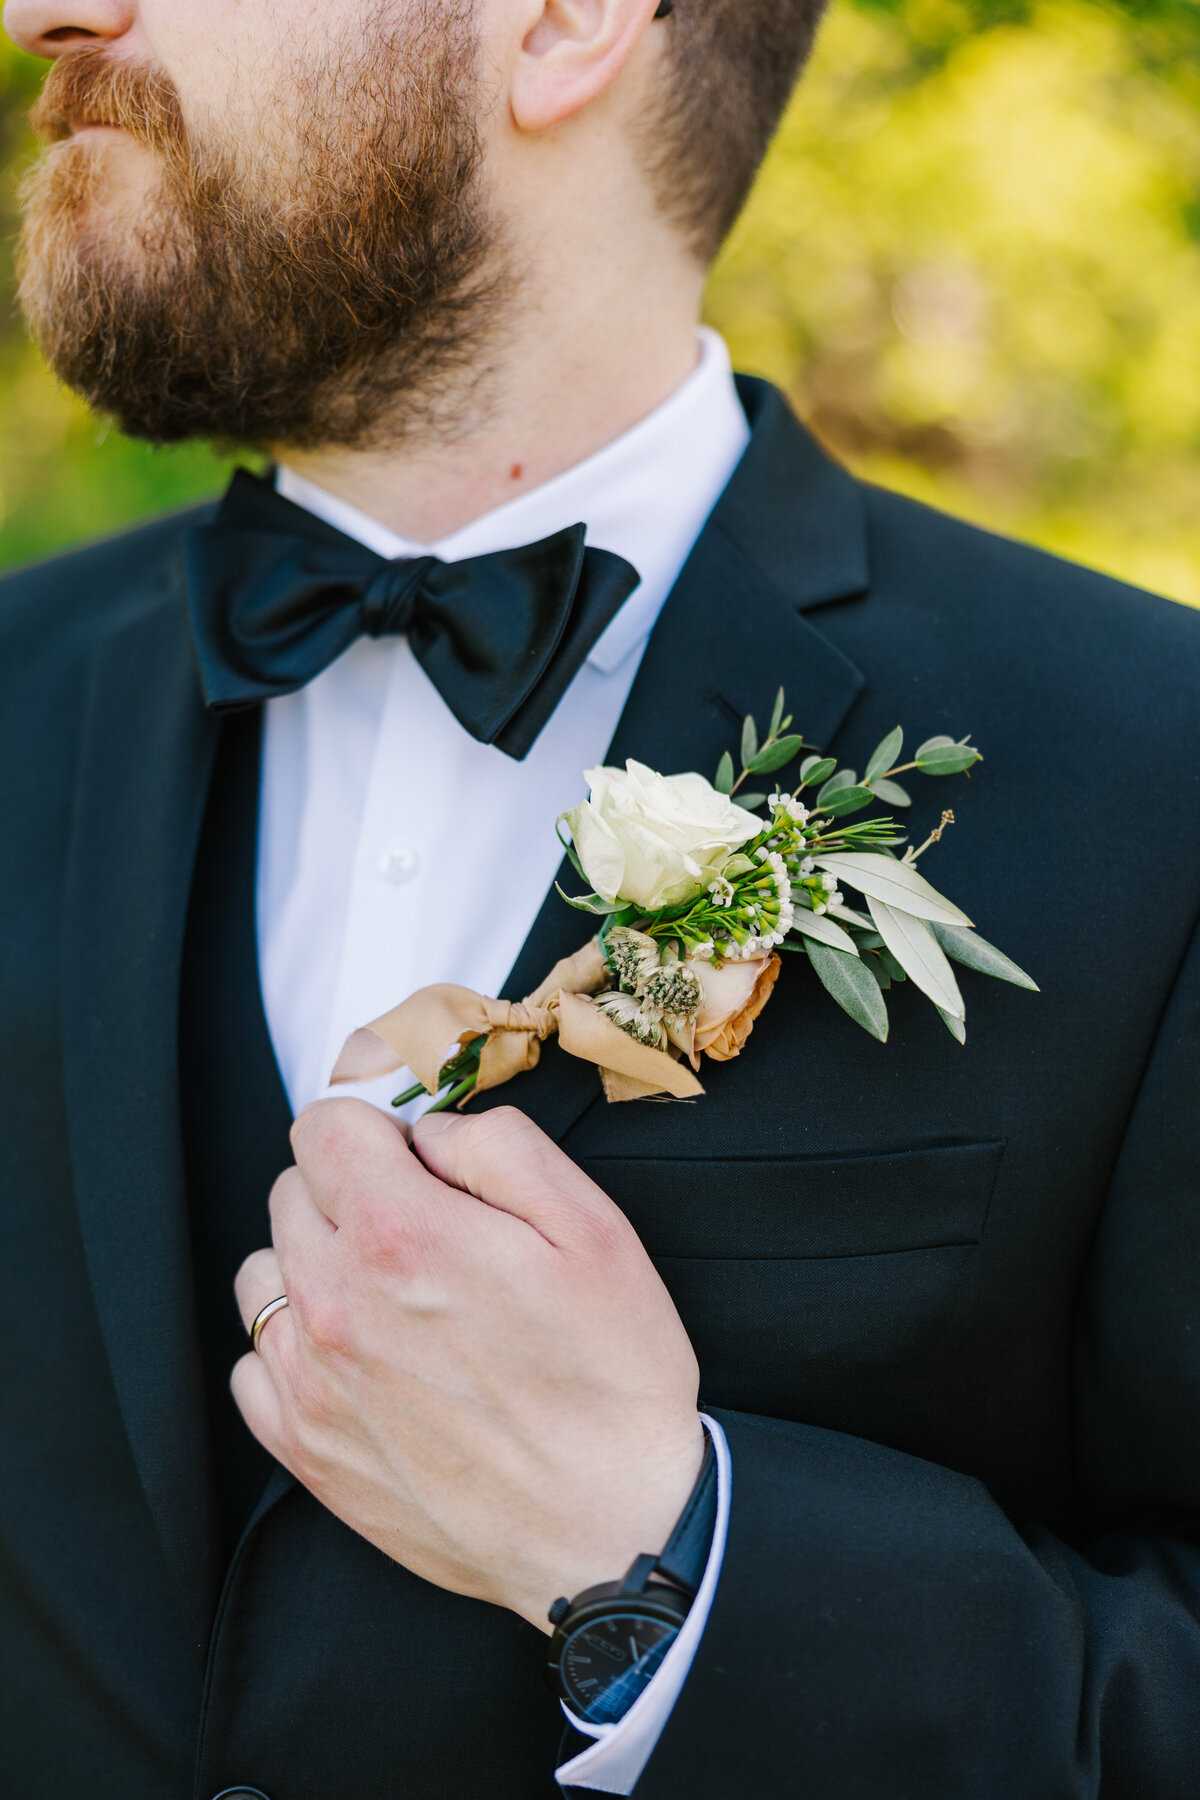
[(655, 840)]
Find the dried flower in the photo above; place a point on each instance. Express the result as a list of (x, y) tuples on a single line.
[(632, 957), (674, 990), (627, 1012)]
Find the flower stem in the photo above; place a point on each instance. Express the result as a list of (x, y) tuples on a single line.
[(455, 1094), (413, 1093)]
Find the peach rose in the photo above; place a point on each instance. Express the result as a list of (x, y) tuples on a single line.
[(734, 995)]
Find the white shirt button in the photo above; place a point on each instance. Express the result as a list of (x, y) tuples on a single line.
[(399, 864)]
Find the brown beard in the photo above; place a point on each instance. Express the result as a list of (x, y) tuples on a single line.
[(337, 302)]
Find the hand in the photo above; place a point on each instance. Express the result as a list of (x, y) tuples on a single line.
[(479, 1369)]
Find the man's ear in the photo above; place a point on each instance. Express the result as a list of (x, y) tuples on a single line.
[(572, 53)]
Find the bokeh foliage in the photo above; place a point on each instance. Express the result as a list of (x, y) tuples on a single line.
[(973, 259)]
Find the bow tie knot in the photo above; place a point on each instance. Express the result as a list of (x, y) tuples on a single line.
[(390, 602), (275, 595)]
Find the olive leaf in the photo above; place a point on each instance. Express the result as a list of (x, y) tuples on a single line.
[(974, 952), (897, 884), (853, 987), (919, 954), (957, 1027), (821, 927)]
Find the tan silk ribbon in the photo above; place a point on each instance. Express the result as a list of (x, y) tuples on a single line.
[(417, 1034)]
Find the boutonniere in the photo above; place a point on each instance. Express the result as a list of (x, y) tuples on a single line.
[(699, 887)]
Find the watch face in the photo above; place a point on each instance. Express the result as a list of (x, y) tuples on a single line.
[(605, 1665)]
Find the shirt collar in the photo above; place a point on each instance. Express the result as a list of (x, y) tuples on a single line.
[(645, 496)]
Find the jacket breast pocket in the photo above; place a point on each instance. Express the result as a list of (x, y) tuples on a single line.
[(789, 1207), (836, 1290)]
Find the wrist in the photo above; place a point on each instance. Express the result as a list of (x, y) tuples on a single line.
[(611, 1639), (648, 1493)]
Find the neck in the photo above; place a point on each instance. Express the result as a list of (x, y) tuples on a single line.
[(568, 378)]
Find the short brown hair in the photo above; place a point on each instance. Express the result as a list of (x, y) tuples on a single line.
[(734, 64)]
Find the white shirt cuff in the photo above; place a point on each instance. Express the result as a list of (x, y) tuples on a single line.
[(613, 1763)]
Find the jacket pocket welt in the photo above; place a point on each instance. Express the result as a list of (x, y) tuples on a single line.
[(917, 1198)]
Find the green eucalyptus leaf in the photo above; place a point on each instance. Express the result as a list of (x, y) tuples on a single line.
[(891, 793), (845, 800), (896, 883), (853, 987), (884, 757), (592, 903), (974, 952), (724, 780), (933, 743), (777, 714), (774, 756), (956, 1027), (948, 759), (816, 768), (749, 740), (824, 930), (843, 778), (919, 954), (750, 801)]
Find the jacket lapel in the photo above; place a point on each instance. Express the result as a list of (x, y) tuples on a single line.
[(787, 535), (148, 751)]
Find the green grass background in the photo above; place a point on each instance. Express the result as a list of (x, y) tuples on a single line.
[(972, 259)]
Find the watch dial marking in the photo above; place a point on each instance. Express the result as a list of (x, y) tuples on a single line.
[(632, 1649)]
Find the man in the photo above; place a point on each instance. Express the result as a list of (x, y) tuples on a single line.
[(936, 1535)]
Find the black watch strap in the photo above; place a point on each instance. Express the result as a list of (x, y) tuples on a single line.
[(685, 1554)]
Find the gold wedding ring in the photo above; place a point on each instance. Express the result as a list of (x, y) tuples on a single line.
[(260, 1319)]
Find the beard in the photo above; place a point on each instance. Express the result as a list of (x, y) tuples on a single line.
[(328, 284)]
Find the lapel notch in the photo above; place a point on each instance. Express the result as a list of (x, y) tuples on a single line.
[(787, 535)]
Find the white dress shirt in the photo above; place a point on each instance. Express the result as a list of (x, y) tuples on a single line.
[(395, 850)]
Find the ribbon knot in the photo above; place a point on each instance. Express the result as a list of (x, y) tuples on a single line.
[(276, 595), (417, 1033), (390, 602)]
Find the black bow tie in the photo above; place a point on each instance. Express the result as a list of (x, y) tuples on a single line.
[(276, 595)]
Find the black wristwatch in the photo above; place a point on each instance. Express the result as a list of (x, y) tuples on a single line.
[(610, 1640)]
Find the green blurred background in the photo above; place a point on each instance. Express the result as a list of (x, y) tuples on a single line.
[(973, 260)]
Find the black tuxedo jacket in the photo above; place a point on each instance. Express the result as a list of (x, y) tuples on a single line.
[(946, 1300)]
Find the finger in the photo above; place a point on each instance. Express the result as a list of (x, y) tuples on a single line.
[(256, 1284), (347, 1150), (502, 1157), (259, 1402), (302, 1234)]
